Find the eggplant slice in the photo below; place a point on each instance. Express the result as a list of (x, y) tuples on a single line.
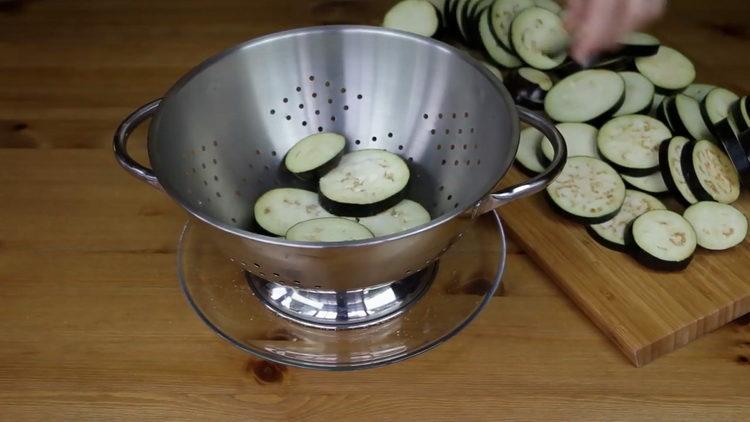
[(670, 166), (668, 69), (611, 233), (329, 229), (631, 143), (717, 226), (314, 155), (662, 240), (587, 190), (365, 183), (277, 210), (710, 173), (585, 97)]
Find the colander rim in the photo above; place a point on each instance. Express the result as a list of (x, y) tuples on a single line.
[(278, 241)]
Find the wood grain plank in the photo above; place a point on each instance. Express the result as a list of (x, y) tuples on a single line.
[(95, 327)]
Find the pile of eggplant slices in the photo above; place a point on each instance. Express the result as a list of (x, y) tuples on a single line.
[(637, 127)]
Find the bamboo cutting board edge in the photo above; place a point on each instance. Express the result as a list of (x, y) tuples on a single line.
[(687, 314), (640, 355)]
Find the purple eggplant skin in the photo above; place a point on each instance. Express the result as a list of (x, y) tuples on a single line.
[(688, 169), (648, 260), (525, 92), (666, 173), (737, 154), (604, 242), (578, 218), (356, 210)]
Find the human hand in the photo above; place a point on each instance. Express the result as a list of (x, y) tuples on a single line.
[(597, 25)]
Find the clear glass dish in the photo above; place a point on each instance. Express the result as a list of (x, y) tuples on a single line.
[(465, 279)]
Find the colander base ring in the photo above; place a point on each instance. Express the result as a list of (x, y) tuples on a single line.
[(345, 309)]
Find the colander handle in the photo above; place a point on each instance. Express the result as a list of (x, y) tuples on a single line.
[(121, 143), (539, 182)]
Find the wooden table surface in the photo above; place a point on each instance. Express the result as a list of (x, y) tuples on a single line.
[(92, 320)]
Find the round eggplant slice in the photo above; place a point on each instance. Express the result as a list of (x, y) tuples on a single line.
[(330, 229), (639, 44), (365, 183), (653, 183), (587, 190), (670, 166), (662, 240), (639, 94), (589, 96), (279, 209), (314, 155), (611, 233), (668, 69), (684, 113), (529, 86), (631, 143), (715, 107), (710, 173), (537, 35), (580, 139), (527, 154), (502, 13), (416, 16), (717, 226), (495, 51), (698, 91), (405, 215)]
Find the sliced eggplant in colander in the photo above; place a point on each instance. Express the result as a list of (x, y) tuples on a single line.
[(277, 210), (587, 190), (529, 86), (406, 215), (495, 51), (661, 240), (585, 97), (631, 143), (537, 36), (611, 233), (328, 229), (364, 183), (314, 155), (668, 69), (416, 16), (710, 173)]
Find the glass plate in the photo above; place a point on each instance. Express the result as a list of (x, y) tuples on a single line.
[(465, 279)]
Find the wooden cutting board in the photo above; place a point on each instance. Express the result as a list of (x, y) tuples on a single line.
[(646, 313)]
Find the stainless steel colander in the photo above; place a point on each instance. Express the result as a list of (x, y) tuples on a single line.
[(218, 136)]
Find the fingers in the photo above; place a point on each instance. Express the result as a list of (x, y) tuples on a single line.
[(597, 25), (597, 30), (575, 10)]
